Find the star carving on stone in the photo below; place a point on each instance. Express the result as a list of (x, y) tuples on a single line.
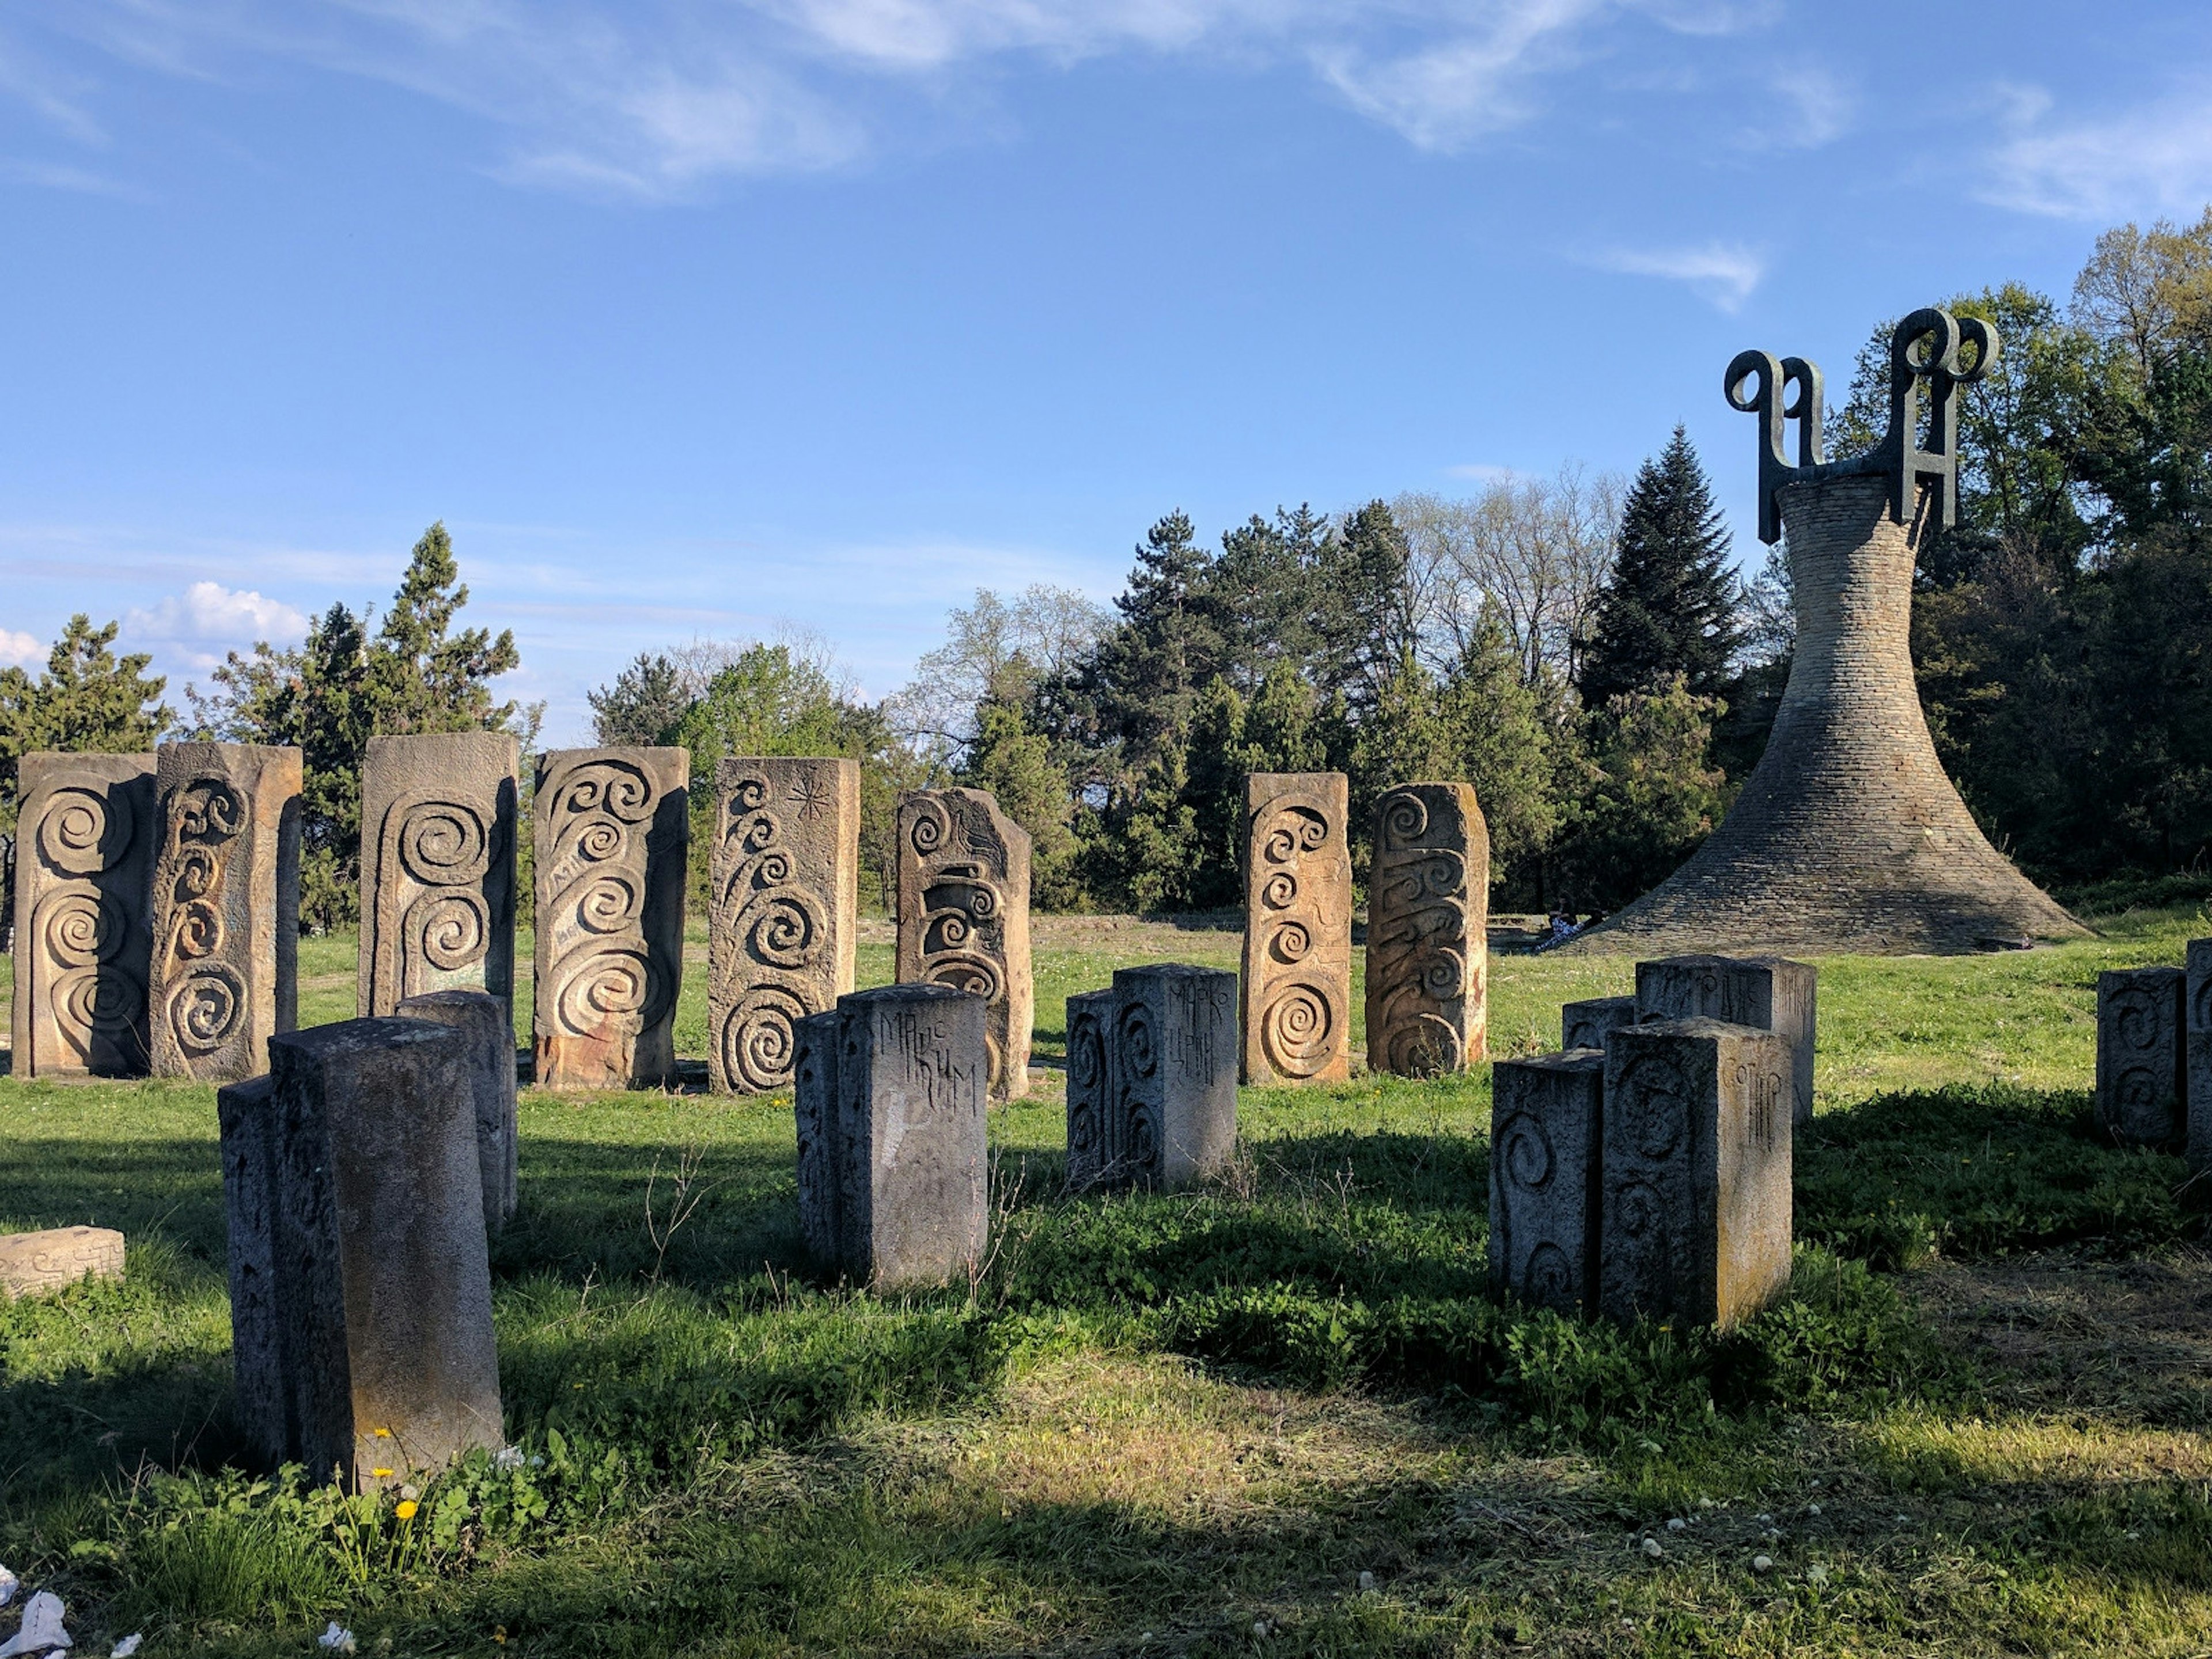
[(810, 799)]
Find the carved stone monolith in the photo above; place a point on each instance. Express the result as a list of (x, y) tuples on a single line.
[(1765, 993), (437, 866), (2142, 1077), (1847, 836), (1545, 1114), (41, 1263), (1172, 1059), (360, 1289), (2197, 1043), (84, 859), (486, 1031), (1295, 1018), (963, 915), (890, 1090), (1428, 917), (1092, 1129), (226, 907), (1591, 1022), (612, 831), (784, 916), (1694, 1203)]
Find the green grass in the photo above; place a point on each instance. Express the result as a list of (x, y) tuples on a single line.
[(1155, 1423)]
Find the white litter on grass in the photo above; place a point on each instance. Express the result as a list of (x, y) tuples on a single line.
[(128, 1645), (42, 1630), (1762, 1564), (1367, 1580), (337, 1639), (507, 1458), (1677, 1524), (9, 1585), (1654, 1548), (1812, 1509)]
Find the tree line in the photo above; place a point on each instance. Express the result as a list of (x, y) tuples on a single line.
[(1579, 648)]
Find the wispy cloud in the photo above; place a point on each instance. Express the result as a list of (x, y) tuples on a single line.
[(657, 99), (1819, 108), (1725, 273), (56, 175), (2153, 157), (20, 650)]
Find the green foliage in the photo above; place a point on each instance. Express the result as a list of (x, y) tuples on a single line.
[(87, 702), (1668, 609), (343, 685), (1017, 766), (1649, 798), (641, 705)]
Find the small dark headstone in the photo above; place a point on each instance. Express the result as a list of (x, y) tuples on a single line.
[(1092, 1128), (1768, 993), (1545, 1116), (1174, 1068), (488, 1034), (1589, 1023), (2142, 1061), (2198, 1044)]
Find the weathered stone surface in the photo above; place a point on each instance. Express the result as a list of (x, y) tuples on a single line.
[(2141, 1062), (1173, 1062), (1093, 1129), (437, 866), (1589, 1023), (487, 1029), (1296, 1019), (2197, 1045), (963, 915), (360, 1298), (40, 1263), (785, 910), (1765, 993), (1847, 836), (1545, 1115), (226, 907), (1428, 914), (612, 832), (84, 862), (1694, 1207), (891, 1092)]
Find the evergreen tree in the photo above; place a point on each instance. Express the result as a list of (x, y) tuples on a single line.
[(1648, 796), (1017, 766), (642, 704), (1670, 605), (1504, 745)]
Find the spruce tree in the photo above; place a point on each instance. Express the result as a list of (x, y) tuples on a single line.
[(1671, 605)]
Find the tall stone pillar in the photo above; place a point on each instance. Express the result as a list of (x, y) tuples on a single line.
[(1093, 1126), (893, 1168), (226, 907), (359, 1287), (1847, 836), (1295, 1018), (437, 866), (84, 857), (486, 1031), (1428, 919), (1545, 1115), (612, 831), (963, 915), (2196, 1040), (2142, 1074), (784, 914)]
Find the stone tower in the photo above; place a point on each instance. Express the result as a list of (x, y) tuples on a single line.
[(1847, 836)]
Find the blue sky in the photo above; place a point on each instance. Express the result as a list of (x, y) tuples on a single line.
[(707, 317)]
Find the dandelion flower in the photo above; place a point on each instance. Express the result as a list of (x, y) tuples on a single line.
[(406, 1510), (384, 1434), (381, 1475)]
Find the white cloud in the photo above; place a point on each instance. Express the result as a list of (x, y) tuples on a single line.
[(1725, 273), (20, 650), (209, 610), (655, 99), (1821, 108), (2155, 157)]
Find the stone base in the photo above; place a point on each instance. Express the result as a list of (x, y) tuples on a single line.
[(39, 1264)]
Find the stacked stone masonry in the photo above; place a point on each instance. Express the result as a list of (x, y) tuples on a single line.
[(226, 908), (963, 916), (612, 832), (1428, 906), (1294, 1021), (437, 866), (86, 831), (784, 910)]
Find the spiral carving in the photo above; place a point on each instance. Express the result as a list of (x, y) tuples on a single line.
[(966, 971), (1299, 830), (760, 1037), (1424, 1009), (1280, 892), (205, 1008), (1524, 1153), (2133, 1019), (783, 927), (1136, 1046), (1298, 1030), (452, 929), (1655, 1105), (77, 928), (601, 985), (84, 832), (1549, 1280), (100, 1005), (1426, 1045), (1292, 941), (930, 829), (1405, 819)]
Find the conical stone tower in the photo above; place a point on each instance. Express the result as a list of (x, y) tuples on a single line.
[(1847, 836)]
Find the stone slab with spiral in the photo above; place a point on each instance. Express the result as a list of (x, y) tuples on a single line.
[(1694, 1203), (963, 915), (226, 907), (1545, 1115), (1428, 913), (1151, 1078), (1296, 1016), (612, 833), (437, 866), (1769, 992), (2141, 1055), (784, 910), (83, 933)]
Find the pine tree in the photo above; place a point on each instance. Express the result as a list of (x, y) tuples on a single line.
[(643, 704), (1015, 765), (87, 702), (1505, 747), (1670, 605)]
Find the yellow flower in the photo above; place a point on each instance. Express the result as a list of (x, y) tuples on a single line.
[(406, 1510), (384, 1434), (499, 1634), (381, 1475)]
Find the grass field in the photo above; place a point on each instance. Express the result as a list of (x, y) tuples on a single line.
[(1282, 1415)]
